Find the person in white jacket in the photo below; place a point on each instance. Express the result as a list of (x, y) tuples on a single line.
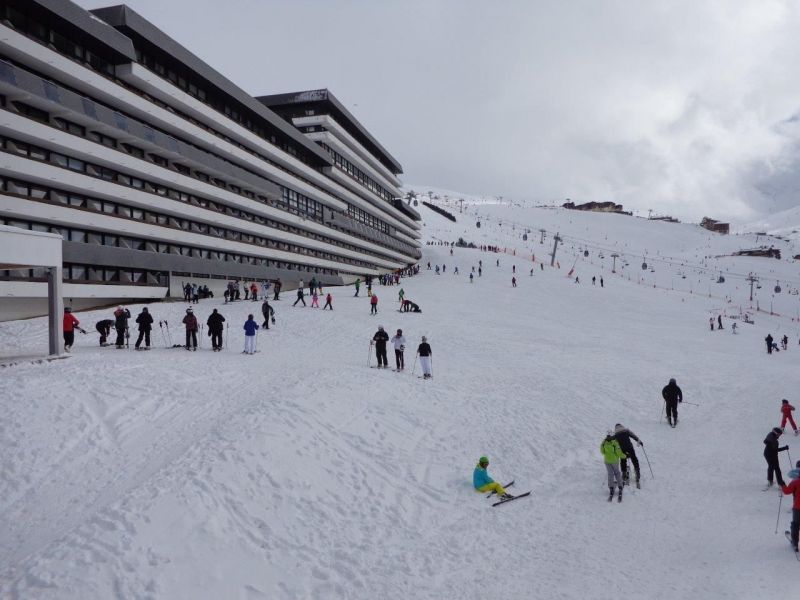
[(399, 343)]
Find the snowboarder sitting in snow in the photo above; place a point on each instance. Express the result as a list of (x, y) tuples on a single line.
[(771, 450), (786, 415), (794, 489), (483, 483), (612, 454)]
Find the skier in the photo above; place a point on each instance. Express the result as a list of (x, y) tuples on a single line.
[(268, 312), (794, 489), (711, 323), (145, 322), (278, 286), (373, 310), (191, 330), (254, 291), (315, 299), (70, 324), (358, 286), (412, 307), (483, 483), (121, 316), (250, 328), (399, 343), (719, 322), (768, 339), (104, 329), (425, 355), (513, 268), (733, 327), (471, 276), (672, 395), (594, 279), (455, 272), (379, 339), (513, 282), (401, 294), (623, 436), (300, 297), (480, 271), (214, 323), (771, 450), (601, 282), (437, 269), (328, 302), (785, 342), (786, 415), (612, 454)]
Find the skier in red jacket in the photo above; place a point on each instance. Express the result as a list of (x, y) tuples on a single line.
[(786, 412), (794, 489), (373, 304), (70, 324)]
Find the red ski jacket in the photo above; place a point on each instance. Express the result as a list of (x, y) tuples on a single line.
[(786, 409), (794, 489), (69, 322)]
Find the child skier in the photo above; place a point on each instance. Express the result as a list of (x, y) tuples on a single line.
[(399, 343), (425, 353), (328, 302), (250, 328), (612, 454), (786, 412), (483, 483), (315, 299), (794, 489)]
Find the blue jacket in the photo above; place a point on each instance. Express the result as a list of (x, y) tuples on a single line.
[(480, 477), (250, 327)]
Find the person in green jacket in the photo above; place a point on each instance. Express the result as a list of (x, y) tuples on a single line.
[(612, 454)]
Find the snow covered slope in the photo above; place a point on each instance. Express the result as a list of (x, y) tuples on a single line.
[(301, 473)]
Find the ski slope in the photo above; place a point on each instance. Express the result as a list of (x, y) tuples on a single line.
[(300, 473)]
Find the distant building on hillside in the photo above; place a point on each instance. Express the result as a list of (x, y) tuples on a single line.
[(762, 251), (666, 218), (596, 207), (715, 226)]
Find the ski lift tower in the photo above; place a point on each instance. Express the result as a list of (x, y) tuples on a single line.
[(615, 256)]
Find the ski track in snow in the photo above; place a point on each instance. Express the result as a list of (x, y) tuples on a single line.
[(299, 473)]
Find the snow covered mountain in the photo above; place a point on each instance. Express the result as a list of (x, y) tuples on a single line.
[(299, 472)]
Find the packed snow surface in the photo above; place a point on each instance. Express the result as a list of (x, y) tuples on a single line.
[(299, 472)]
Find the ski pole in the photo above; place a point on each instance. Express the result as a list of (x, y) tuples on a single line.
[(780, 501), (255, 343), (431, 357), (661, 418), (648, 461), (692, 403), (369, 354), (414, 366), (201, 337), (226, 336)]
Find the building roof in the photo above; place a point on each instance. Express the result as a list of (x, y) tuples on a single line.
[(343, 116), (90, 25), (124, 18)]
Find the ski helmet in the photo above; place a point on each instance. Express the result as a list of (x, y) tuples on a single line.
[(380, 327), (424, 339), (68, 309), (483, 460), (777, 430), (672, 380), (188, 310)]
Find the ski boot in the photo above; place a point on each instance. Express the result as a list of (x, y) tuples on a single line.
[(638, 485), (619, 496), (506, 496), (611, 494)]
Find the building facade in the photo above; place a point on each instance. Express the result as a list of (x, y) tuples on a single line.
[(156, 170)]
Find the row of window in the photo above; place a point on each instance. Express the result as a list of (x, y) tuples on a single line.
[(73, 273), (19, 23), (81, 202), (73, 234), (363, 216), (296, 203), (360, 176)]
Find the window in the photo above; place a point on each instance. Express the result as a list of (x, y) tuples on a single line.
[(32, 112), (103, 139), (69, 126)]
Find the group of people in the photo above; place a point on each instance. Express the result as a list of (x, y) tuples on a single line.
[(252, 290), (194, 293), (424, 352), (617, 449), (772, 450), (771, 345)]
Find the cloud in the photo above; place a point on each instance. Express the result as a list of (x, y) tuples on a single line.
[(686, 107)]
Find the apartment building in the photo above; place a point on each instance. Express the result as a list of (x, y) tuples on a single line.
[(156, 170)]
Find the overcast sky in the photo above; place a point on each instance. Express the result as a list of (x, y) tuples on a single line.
[(688, 108)]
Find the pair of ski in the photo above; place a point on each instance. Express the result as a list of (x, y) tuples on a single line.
[(508, 485), (619, 495)]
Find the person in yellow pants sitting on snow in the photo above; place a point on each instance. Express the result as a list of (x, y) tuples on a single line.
[(484, 483)]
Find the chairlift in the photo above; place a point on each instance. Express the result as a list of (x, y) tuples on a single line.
[(644, 266), (416, 203), (478, 224), (586, 253), (720, 279), (777, 289), (524, 237)]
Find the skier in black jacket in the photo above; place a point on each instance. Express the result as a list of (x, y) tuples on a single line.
[(379, 339), (121, 316), (268, 312), (104, 329), (214, 323), (623, 435), (672, 395), (771, 450), (145, 322)]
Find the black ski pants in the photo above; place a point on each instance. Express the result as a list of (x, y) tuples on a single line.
[(69, 338), (191, 337), (300, 299), (398, 358), (143, 334), (624, 464), (277, 291), (216, 338), (672, 411), (327, 305), (795, 527), (374, 309), (774, 466), (120, 336), (103, 331), (380, 352)]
